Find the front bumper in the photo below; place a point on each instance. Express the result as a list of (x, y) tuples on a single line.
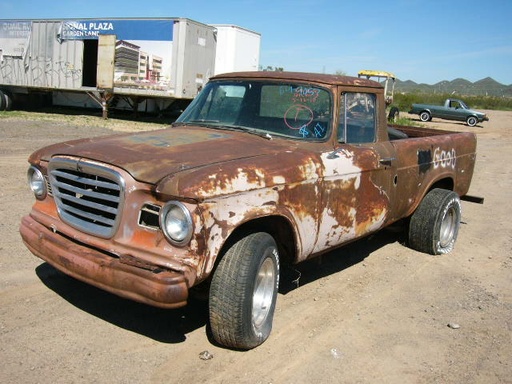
[(159, 288)]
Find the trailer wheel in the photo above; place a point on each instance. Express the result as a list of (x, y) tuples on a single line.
[(434, 225), (243, 292), (471, 121), (425, 116), (2, 101), (8, 101)]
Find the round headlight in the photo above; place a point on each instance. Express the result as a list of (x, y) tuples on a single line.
[(176, 222), (37, 182)]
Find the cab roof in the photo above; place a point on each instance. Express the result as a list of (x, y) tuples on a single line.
[(300, 77)]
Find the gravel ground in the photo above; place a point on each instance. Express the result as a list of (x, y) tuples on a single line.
[(372, 312)]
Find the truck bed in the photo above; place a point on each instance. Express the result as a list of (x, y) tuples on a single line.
[(420, 131)]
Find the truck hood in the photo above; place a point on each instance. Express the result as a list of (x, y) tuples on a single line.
[(153, 156)]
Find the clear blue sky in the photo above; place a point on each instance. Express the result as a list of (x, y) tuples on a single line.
[(426, 41)]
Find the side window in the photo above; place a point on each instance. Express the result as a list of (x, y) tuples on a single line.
[(455, 104), (357, 118)]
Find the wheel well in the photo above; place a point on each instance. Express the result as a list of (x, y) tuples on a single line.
[(446, 183), (443, 184), (277, 226)]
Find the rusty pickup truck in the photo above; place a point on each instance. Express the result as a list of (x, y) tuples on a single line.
[(261, 169)]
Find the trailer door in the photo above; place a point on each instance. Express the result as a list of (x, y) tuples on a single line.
[(105, 59)]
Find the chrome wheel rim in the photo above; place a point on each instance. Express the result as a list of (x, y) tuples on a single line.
[(263, 293), (448, 227)]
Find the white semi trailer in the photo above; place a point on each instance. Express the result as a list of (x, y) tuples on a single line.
[(145, 64)]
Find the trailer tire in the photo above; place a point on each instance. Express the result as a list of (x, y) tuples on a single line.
[(243, 292), (471, 121), (425, 116), (434, 225), (2, 101), (8, 101)]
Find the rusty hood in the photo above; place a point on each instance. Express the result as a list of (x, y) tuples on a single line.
[(181, 159)]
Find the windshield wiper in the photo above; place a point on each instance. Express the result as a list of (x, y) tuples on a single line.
[(250, 130), (231, 127), (204, 121), (201, 121), (216, 124)]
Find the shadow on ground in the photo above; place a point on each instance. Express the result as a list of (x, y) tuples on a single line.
[(164, 325), (297, 276), (172, 325)]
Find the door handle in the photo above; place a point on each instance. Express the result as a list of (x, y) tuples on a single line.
[(386, 160)]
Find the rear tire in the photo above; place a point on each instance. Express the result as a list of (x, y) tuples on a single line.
[(425, 116), (434, 225), (243, 292)]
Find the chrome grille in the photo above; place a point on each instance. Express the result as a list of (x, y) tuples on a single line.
[(89, 197), (48, 186)]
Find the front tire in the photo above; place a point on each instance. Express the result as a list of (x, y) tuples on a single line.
[(243, 292), (471, 121), (434, 225), (425, 116)]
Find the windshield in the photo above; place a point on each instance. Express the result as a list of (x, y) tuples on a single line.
[(290, 110), (463, 104)]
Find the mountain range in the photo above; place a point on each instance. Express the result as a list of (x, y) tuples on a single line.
[(484, 87)]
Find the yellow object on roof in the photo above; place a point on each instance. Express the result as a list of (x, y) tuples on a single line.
[(369, 73)]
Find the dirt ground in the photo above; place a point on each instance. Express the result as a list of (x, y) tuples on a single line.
[(372, 312)]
